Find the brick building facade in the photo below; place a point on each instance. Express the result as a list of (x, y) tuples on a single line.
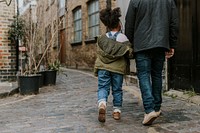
[(76, 25), (7, 50), (44, 14), (73, 25), (47, 13), (82, 27), (75, 39)]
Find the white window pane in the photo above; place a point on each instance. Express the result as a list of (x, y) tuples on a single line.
[(92, 20), (93, 11), (97, 30), (80, 25), (61, 4), (80, 35), (97, 6), (97, 19), (90, 32), (75, 16), (79, 14), (77, 25), (89, 9)]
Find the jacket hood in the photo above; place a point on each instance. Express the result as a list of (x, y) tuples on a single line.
[(110, 50)]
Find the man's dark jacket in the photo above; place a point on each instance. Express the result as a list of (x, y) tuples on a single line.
[(152, 24)]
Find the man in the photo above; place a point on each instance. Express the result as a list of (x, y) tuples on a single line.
[(152, 26)]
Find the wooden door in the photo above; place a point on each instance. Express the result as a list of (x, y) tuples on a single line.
[(196, 67), (63, 47), (184, 67)]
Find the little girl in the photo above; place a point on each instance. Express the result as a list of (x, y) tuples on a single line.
[(113, 51)]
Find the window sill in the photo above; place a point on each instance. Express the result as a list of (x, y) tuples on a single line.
[(91, 40), (76, 43)]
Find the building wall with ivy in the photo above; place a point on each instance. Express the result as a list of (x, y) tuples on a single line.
[(7, 50)]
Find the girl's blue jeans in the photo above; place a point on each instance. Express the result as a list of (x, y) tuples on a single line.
[(149, 66), (107, 79)]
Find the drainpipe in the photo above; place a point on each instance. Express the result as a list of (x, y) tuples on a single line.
[(17, 41), (108, 4)]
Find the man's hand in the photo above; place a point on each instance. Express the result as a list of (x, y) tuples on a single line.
[(170, 53)]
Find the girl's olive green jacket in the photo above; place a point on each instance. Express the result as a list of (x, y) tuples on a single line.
[(113, 56)]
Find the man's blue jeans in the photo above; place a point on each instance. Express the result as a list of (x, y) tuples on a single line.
[(149, 66), (107, 79)]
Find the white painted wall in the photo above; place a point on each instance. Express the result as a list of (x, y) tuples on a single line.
[(123, 4)]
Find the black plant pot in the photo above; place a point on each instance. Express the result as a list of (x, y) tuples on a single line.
[(29, 84), (50, 77), (41, 79)]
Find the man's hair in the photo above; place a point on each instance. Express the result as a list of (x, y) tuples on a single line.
[(110, 18)]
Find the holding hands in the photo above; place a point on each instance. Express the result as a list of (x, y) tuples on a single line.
[(170, 53)]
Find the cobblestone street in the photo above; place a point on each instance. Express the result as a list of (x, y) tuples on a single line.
[(70, 107)]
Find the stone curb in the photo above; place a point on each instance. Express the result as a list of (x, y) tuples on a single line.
[(14, 90), (184, 96), (8, 89), (171, 93)]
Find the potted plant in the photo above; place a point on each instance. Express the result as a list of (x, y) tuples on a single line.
[(37, 50), (50, 58), (50, 74), (28, 78)]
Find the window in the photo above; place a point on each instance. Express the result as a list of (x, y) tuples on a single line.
[(77, 25), (61, 4), (61, 8), (93, 22)]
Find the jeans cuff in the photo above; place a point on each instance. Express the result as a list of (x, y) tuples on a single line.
[(149, 111), (102, 102), (117, 109)]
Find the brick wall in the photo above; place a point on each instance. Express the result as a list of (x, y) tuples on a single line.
[(47, 15), (7, 50)]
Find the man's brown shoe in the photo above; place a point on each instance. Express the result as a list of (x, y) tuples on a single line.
[(102, 113), (116, 115)]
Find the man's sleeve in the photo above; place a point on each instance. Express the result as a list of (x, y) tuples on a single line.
[(174, 26), (130, 22)]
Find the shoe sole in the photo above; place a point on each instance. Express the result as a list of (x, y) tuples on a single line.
[(150, 121), (102, 115), (116, 117)]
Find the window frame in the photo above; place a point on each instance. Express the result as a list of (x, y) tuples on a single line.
[(77, 21), (94, 27)]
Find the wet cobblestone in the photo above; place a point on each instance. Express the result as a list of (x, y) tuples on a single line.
[(70, 107)]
